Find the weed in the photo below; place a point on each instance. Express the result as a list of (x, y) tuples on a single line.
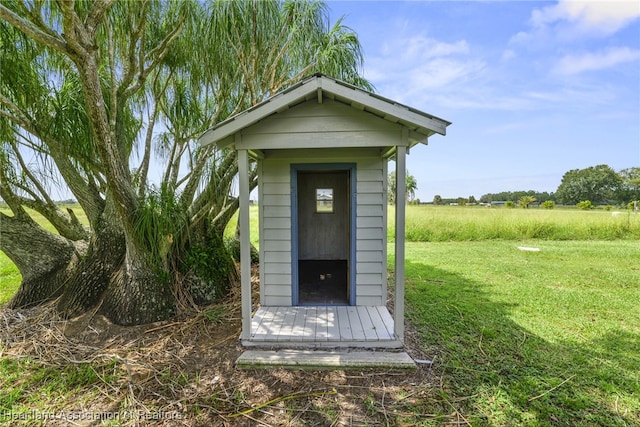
[(215, 314), (370, 404)]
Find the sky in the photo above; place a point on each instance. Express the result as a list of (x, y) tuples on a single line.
[(533, 89)]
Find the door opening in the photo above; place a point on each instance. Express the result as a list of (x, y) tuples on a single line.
[(323, 241)]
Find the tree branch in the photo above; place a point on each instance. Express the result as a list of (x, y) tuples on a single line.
[(31, 30), (72, 30), (15, 113), (27, 172), (96, 15), (159, 52), (9, 196)]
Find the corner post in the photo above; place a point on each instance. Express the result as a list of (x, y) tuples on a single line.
[(245, 242), (401, 185)]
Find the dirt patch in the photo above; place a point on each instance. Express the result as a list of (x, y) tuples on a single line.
[(181, 373)]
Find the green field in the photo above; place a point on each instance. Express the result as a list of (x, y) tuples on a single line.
[(546, 337), (459, 223), (530, 338)]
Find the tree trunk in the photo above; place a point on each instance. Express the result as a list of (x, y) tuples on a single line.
[(138, 293), (86, 288), (119, 278), (45, 260), (128, 289)]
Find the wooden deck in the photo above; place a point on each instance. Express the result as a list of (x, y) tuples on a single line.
[(323, 326)]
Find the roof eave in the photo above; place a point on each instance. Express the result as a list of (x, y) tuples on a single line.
[(419, 123)]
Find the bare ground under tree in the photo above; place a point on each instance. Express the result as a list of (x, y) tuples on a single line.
[(181, 372)]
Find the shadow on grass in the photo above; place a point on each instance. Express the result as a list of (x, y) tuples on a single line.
[(496, 372)]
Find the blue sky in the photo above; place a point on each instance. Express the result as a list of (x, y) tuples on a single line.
[(533, 89)]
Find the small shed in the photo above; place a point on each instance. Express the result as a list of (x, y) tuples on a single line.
[(322, 148)]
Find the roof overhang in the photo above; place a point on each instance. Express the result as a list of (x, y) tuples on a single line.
[(420, 126)]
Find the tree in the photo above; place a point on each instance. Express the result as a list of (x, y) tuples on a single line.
[(599, 184), (84, 85), (437, 200), (526, 201), (630, 190), (411, 187), (584, 205)]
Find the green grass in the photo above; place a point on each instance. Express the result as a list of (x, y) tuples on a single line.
[(457, 223), (230, 231), (30, 387), (530, 338), (10, 277), (519, 338)]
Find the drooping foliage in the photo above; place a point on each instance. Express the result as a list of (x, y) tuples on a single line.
[(105, 99)]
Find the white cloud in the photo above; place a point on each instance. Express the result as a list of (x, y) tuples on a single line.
[(426, 82), (604, 17), (423, 48), (508, 55), (578, 63), (406, 68), (570, 20), (484, 100), (594, 17), (443, 72)]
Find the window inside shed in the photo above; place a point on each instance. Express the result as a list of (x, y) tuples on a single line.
[(324, 200)]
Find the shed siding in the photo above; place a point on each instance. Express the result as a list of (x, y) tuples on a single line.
[(275, 212), (327, 125), (275, 237), (370, 231)]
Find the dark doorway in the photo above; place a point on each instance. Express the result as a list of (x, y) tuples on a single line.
[(323, 237), (323, 282)]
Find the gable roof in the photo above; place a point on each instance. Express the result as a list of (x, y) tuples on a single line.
[(420, 125)]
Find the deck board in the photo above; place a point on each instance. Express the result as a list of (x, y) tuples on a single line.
[(309, 324), (323, 326), (286, 330), (298, 331), (387, 320), (343, 324), (356, 325), (265, 318), (378, 324), (367, 324)]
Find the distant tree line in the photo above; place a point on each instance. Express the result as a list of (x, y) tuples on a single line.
[(599, 185), (514, 196)]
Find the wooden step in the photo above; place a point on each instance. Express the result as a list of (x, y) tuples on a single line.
[(315, 359)]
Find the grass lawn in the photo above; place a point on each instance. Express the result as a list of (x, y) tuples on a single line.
[(458, 223), (528, 338), (518, 337), (9, 278)]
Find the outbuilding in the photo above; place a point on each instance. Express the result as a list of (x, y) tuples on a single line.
[(322, 148)]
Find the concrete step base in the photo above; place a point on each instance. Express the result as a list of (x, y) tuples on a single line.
[(315, 359)]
